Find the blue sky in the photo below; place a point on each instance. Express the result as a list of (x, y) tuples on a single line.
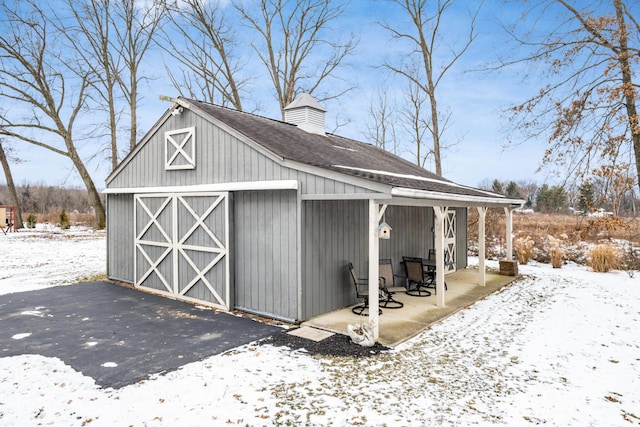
[(474, 99)]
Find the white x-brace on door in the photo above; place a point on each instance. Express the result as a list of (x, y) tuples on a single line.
[(450, 241), (181, 246)]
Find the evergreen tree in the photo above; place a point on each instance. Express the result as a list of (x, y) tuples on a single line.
[(512, 190), (586, 197), (497, 187), (551, 199)]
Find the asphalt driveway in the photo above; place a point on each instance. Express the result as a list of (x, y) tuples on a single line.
[(116, 335)]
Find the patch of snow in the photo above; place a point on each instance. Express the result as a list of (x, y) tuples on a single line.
[(21, 336), (559, 347), (109, 365)]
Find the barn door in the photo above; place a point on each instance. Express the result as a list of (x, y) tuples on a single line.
[(181, 246), (450, 241)]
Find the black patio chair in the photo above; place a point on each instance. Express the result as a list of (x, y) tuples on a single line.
[(431, 270), (362, 292), (417, 279), (388, 285)]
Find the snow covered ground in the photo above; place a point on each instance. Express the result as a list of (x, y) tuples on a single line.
[(560, 347)]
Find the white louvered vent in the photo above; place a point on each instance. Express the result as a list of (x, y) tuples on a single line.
[(306, 113)]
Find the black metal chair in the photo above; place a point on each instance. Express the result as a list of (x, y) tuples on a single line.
[(387, 284), (417, 278), (431, 270), (362, 292)]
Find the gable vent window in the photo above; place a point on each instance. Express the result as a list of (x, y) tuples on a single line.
[(180, 149)]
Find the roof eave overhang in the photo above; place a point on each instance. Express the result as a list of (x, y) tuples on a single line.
[(407, 195)]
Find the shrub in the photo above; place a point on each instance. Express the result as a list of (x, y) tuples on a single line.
[(556, 251), (524, 249), (31, 221), (630, 259), (64, 220), (603, 258)]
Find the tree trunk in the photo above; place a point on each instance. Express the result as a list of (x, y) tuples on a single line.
[(435, 131), (133, 132), (11, 186), (627, 85), (94, 195)]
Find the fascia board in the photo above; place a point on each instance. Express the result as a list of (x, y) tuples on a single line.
[(146, 138), (290, 184), (446, 199)]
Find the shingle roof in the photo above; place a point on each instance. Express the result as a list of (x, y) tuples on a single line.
[(335, 153)]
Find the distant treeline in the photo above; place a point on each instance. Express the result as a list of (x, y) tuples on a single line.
[(43, 199), (590, 196)]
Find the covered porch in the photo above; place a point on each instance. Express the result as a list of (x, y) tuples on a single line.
[(398, 325)]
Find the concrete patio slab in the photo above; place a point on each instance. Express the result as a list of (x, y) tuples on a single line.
[(418, 313), (310, 333)]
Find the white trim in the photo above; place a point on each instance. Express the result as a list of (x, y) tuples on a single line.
[(508, 211), (482, 218), (449, 242), (187, 155), (347, 196), (440, 213), (418, 178), (289, 184), (373, 268), (176, 245), (299, 289), (433, 195), (154, 130), (178, 101)]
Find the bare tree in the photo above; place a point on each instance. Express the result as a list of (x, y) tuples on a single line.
[(430, 57), (587, 109), (46, 88), (205, 46), (90, 37), (112, 37), (414, 122), (10, 185), (381, 124), (135, 24), (297, 45)]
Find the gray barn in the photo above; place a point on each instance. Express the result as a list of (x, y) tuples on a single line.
[(239, 211)]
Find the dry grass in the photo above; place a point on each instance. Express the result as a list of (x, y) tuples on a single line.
[(524, 249), (556, 251), (603, 258), (576, 228), (576, 235)]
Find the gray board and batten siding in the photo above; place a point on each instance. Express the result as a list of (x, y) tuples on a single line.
[(264, 233), (332, 237), (287, 248), (221, 156)]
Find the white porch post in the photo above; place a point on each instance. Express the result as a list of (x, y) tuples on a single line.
[(482, 215), (374, 255), (508, 211), (440, 213)]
